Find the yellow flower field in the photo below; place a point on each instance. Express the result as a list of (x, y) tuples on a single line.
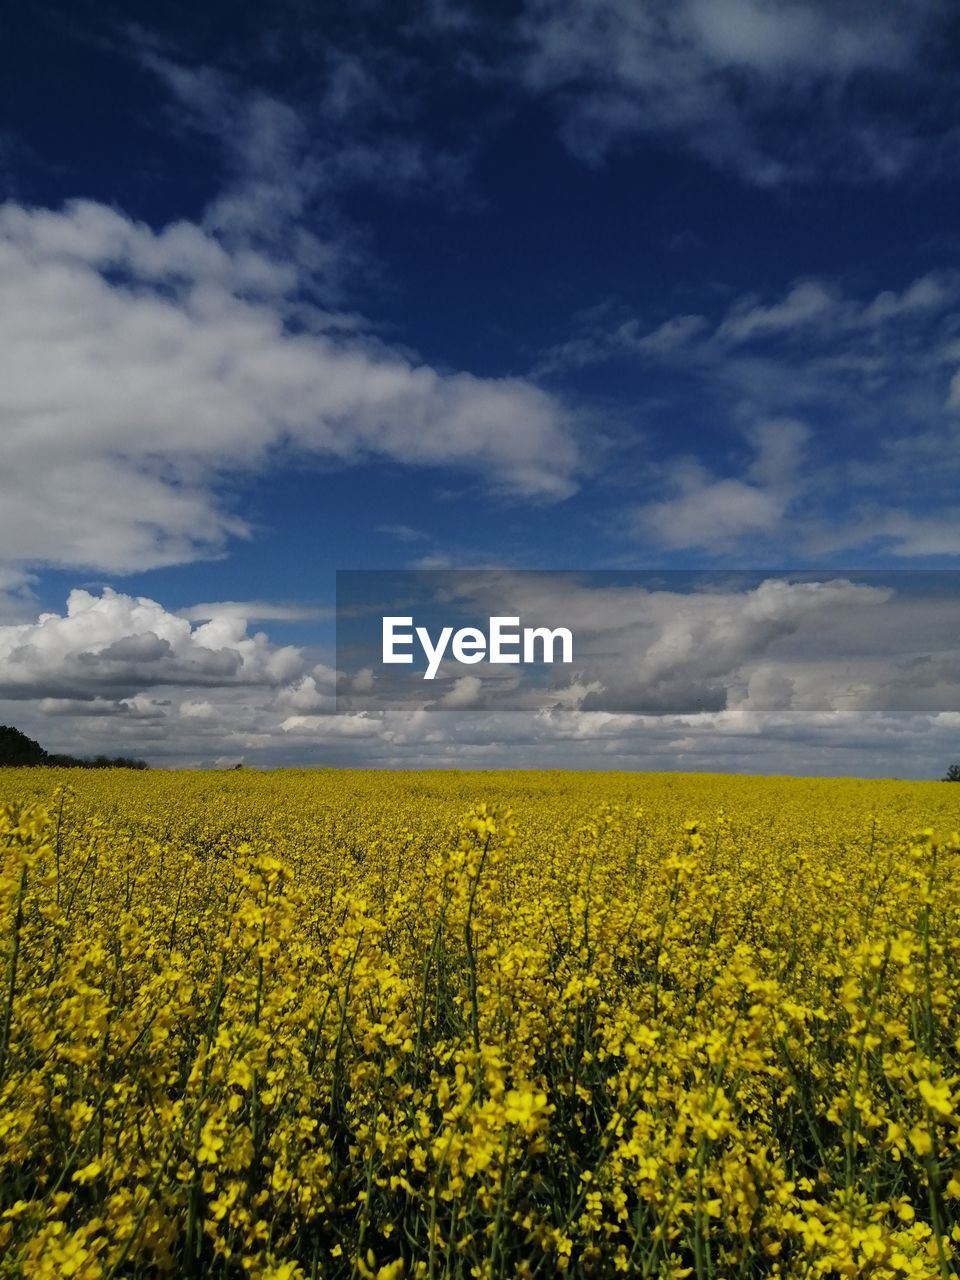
[(342, 1024)]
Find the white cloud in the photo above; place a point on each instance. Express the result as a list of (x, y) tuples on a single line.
[(813, 313), (325, 728), (310, 693), (116, 646), (138, 369), (709, 512), (774, 39), (465, 692), (820, 309), (363, 681), (807, 302), (716, 512)]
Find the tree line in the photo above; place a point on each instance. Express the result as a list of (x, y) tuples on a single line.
[(18, 750)]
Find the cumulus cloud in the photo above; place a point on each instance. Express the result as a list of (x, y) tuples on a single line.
[(683, 651), (726, 79), (815, 647), (117, 646), (327, 728), (709, 511), (138, 368), (314, 692), (464, 692)]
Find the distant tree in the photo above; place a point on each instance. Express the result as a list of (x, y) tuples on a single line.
[(113, 762), (18, 750), (952, 774)]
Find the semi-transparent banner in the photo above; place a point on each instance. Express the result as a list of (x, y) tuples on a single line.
[(649, 641)]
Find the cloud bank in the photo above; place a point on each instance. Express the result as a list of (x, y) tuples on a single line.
[(820, 677)]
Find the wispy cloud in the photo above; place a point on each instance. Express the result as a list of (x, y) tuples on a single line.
[(255, 611), (402, 532), (710, 512), (864, 382), (773, 92), (287, 166)]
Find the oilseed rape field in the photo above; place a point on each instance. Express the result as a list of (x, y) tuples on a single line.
[(334, 1024)]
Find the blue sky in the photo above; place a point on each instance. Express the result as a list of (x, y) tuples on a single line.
[(541, 285)]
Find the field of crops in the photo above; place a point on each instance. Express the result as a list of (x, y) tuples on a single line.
[(478, 1025)]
